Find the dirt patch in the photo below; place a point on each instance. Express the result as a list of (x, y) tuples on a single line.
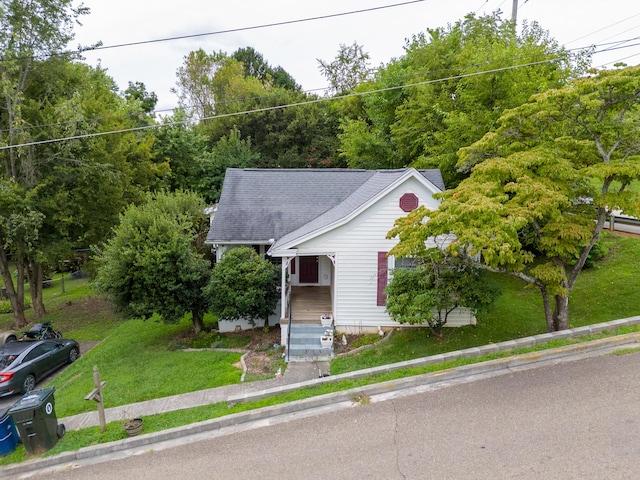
[(265, 352)]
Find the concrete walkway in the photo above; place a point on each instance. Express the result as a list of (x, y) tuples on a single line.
[(295, 373)]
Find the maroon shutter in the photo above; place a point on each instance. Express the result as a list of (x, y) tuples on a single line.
[(383, 271), (292, 266)]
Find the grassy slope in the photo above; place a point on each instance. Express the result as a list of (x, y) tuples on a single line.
[(136, 364)]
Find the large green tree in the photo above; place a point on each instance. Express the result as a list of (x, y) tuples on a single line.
[(459, 80), (81, 185), (30, 32), (542, 186), (154, 263), (222, 86)]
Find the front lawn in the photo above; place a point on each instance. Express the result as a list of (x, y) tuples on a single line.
[(137, 365)]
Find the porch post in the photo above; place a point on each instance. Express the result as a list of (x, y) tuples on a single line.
[(283, 288)]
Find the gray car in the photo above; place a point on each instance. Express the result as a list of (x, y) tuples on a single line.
[(23, 364), (7, 336)]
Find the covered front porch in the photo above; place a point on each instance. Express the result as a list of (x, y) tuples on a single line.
[(307, 331)]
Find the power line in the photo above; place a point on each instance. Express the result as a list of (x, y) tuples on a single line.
[(255, 27), (610, 47), (277, 107)]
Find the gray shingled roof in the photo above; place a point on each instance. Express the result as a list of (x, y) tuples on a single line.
[(257, 205)]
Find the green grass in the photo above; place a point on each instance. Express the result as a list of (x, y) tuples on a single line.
[(137, 365), (53, 298)]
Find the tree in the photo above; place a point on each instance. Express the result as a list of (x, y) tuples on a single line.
[(79, 186), (19, 231), (243, 286), (154, 263), (440, 283), (348, 70), (543, 185), (229, 152), (30, 32), (221, 85), (459, 79), (256, 66)]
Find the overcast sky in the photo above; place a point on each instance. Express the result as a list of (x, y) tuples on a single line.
[(296, 47)]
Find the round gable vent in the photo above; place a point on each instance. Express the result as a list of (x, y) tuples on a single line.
[(408, 202)]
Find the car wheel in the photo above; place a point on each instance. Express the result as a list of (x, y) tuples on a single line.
[(61, 430), (28, 384), (11, 338), (74, 354)]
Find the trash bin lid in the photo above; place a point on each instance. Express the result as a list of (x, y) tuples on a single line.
[(32, 399)]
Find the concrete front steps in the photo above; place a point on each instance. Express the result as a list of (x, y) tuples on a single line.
[(305, 345)]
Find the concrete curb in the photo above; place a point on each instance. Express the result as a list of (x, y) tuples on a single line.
[(525, 342), (503, 364)]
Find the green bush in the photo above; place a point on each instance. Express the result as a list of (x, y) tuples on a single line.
[(5, 306)]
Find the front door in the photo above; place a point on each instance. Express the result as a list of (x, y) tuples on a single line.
[(308, 270)]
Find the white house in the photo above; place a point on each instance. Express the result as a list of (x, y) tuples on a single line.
[(327, 228)]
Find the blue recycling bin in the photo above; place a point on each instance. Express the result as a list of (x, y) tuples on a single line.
[(8, 433)]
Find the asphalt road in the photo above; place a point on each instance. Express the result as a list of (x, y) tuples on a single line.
[(574, 420)]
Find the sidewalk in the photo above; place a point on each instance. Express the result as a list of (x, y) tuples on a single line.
[(295, 373)]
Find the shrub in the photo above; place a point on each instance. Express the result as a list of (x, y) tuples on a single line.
[(5, 306)]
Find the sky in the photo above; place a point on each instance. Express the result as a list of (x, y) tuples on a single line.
[(297, 46)]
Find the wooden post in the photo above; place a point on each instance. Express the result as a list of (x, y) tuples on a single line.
[(96, 395)]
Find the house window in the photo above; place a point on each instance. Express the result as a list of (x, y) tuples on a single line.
[(383, 274), (406, 262), (408, 202)]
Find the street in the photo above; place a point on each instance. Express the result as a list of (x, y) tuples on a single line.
[(574, 420)]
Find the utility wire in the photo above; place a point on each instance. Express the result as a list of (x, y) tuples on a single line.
[(255, 27), (277, 107), (610, 47)]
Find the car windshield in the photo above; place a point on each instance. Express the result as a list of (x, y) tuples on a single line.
[(6, 360)]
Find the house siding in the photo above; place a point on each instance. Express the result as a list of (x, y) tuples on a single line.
[(356, 246)]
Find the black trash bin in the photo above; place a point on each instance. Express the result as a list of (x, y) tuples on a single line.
[(35, 417)]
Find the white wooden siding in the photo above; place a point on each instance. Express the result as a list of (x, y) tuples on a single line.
[(356, 246)]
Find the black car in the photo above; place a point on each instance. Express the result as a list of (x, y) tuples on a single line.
[(22, 364)]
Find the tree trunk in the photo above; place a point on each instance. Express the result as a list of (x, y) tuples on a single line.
[(561, 313), (17, 301), (197, 320), (548, 312), (35, 276)]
